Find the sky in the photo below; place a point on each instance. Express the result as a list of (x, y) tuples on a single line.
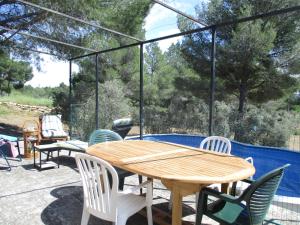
[(160, 22)]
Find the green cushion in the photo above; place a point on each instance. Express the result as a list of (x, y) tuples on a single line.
[(226, 211)]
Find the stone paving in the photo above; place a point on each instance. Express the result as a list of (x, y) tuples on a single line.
[(54, 197)]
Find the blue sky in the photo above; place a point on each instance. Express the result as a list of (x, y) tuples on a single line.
[(159, 22)]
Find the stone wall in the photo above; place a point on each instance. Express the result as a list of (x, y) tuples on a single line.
[(30, 108)]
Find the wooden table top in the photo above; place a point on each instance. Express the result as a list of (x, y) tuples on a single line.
[(167, 161)]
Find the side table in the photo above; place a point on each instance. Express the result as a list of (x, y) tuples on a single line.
[(72, 145), (46, 149)]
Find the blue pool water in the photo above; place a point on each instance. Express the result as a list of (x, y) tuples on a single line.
[(265, 159)]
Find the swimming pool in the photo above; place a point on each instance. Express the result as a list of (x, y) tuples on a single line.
[(265, 159)]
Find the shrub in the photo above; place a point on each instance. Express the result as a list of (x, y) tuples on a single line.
[(264, 126), (112, 105)]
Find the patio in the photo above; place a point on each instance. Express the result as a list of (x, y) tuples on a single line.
[(54, 196)]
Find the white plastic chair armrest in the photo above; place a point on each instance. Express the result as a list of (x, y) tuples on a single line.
[(249, 159), (131, 190)]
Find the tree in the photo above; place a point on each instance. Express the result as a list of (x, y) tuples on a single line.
[(13, 73), (125, 17), (250, 56), (113, 105)]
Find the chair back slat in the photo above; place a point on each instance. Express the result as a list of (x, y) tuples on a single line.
[(216, 144), (259, 195), (102, 135), (99, 195)]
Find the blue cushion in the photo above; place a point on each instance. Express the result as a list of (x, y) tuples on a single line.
[(9, 138)]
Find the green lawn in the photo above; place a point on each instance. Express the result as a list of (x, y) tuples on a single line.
[(20, 98), (4, 110)]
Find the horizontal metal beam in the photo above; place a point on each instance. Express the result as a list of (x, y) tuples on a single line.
[(226, 23), (79, 20), (259, 16), (32, 50), (106, 50), (180, 13), (47, 39), (144, 42)]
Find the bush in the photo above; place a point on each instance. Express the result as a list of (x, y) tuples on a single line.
[(112, 105), (264, 126), (221, 119)]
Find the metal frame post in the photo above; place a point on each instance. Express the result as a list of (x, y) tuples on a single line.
[(212, 81), (97, 92), (141, 91), (70, 97)]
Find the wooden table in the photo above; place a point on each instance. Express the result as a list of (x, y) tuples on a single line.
[(183, 170)]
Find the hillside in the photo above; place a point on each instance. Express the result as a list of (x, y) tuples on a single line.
[(13, 116)]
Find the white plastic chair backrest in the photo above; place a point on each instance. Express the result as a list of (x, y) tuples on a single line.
[(241, 186), (216, 144), (99, 196)]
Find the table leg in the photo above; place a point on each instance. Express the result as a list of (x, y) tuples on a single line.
[(18, 146), (25, 144), (225, 188), (180, 190), (58, 159), (34, 157), (40, 156), (177, 206)]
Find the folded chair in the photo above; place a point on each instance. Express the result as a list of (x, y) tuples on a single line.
[(103, 135), (14, 140), (102, 197), (51, 128), (248, 209), (2, 154)]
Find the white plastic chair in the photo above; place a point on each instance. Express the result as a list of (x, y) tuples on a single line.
[(239, 187), (102, 197), (216, 144)]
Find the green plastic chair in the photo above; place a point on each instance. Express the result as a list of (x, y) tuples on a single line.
[(103, 135), (248, 209)]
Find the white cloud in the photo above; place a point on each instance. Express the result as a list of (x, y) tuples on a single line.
[(157, 14), (53, 73), (165, 44), (162, 21), (159, 19)]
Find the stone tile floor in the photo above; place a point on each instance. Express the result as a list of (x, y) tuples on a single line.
[(54, 197)]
